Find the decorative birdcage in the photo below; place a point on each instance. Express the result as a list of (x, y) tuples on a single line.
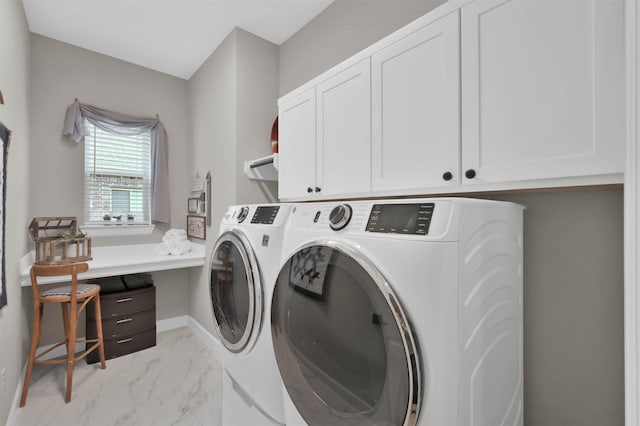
[(57, 241)]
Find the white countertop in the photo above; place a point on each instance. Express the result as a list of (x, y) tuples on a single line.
[(119, 260)]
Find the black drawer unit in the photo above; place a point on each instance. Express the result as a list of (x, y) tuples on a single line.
[(130, 343), (128, 321)]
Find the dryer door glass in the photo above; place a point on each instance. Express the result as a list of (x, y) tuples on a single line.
[(235, 291), (342, 342)]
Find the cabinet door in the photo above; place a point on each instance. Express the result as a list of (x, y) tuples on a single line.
[(542, 89), (415, 107), (297, 146), (344, 132)]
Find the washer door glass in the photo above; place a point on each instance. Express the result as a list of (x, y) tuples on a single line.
[(235, 291), (342, 342)]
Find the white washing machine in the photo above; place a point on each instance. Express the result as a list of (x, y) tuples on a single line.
[(401, 312), (244, 266)]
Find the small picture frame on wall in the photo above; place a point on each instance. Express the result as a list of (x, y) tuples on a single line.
[(192, 206), (197, 227)]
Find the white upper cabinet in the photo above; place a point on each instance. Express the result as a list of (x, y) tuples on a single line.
[(325, 137), (542, 89), (344, 132), (297, 145), (482, 95), (416, 109)]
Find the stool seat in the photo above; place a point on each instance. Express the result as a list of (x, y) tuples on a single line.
[(66, 290), (73, 299)]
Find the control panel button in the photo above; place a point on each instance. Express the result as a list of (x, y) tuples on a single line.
[(242, 215), (340, 217)]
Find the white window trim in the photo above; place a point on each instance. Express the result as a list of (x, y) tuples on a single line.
[(117, 228)]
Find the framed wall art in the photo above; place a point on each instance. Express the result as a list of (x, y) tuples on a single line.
[(192, 205), (197, 227), (5, 135)]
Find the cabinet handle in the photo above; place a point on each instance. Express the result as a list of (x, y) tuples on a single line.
[(470, 174), (126, 299), (447, 176), (318, 189), (125, 340), (309, 189), (122, 321)]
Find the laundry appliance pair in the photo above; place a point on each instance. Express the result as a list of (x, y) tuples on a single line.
[(393, 312)]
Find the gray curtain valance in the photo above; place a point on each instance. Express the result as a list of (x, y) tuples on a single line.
[(124, 124)]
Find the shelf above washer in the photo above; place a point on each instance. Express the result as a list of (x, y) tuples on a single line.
[(265, 168)]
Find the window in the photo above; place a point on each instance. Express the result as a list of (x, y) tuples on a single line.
[(117, 176)]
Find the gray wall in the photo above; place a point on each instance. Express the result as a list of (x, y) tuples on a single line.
[(256, 97), (232, 105), (14, 83), (342, 29), (573, 307), (61, 72), (573, 251)]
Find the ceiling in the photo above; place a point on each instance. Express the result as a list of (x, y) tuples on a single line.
[(171, 36)]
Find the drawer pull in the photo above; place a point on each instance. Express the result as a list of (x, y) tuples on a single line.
[(125, 340), (126, 299), (124, 320)]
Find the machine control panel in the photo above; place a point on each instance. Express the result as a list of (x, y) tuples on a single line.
[(265, 215), (401, 218)]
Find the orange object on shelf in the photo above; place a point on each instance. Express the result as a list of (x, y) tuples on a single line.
[(274, 137)]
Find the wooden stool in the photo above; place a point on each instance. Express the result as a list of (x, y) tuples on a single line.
[(69, 297)]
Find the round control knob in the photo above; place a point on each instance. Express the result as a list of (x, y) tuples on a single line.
[(470, 174), (309, 189), (340, 217), (242, 215), (447, 176), (318, 189)]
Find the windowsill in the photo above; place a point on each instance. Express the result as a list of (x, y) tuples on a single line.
[(116, 229)]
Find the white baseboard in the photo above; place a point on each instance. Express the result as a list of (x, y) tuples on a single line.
[(203, 334), (171, 323), (161, 325), (11, 420)]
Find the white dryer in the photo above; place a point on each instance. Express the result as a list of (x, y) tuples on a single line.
[(401, 312), (244, 266)]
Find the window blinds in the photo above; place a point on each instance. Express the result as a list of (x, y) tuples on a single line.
[(117, 175)]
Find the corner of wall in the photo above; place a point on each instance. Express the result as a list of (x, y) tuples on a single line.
[(15, 84)]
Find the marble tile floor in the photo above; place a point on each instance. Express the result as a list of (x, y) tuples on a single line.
[(177, 382)]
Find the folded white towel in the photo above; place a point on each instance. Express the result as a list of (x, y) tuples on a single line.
[(167, 239), (174, 243), (176, 233), (177, 248)]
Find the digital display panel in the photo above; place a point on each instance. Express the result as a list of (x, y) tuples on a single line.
[(265, 215), (401, 218)]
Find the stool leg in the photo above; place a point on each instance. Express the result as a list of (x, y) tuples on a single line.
[(35, 338), (71, 348), (65, 320), (96, 305)]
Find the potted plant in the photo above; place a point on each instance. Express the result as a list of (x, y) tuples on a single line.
[(71, 242), (119, 217), (106, 216), (131, 216)]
